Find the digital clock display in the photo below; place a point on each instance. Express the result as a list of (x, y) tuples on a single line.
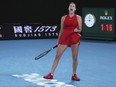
[(104, 25)]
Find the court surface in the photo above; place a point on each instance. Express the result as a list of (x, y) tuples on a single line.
[(97, 64)]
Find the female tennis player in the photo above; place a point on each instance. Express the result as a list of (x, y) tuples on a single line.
[(69, 36)]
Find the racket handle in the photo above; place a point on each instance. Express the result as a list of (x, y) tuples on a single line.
[(55, 46)]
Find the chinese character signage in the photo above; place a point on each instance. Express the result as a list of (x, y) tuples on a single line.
[(28, 31)]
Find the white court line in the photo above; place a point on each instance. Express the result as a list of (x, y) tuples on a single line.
[(39, 80)]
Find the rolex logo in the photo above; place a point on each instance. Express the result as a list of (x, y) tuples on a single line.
[(106, 16), (106, 12)]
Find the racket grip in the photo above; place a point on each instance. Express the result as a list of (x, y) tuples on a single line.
[(55, 46)]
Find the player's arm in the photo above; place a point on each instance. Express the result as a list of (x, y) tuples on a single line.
[(79, 28), (61, 28)]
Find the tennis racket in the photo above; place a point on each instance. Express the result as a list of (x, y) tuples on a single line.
[(44, 53)]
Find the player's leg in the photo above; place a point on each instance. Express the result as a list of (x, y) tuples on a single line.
[(75, 49), (60, 50)]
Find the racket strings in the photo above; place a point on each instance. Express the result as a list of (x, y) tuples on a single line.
[(44, 53)]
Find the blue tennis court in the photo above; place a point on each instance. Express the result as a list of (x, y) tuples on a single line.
[(97, 64)]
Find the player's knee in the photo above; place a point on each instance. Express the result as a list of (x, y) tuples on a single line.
[(58, 56), (75, 59)]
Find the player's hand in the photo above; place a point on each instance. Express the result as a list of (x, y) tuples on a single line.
[(76, 30)]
